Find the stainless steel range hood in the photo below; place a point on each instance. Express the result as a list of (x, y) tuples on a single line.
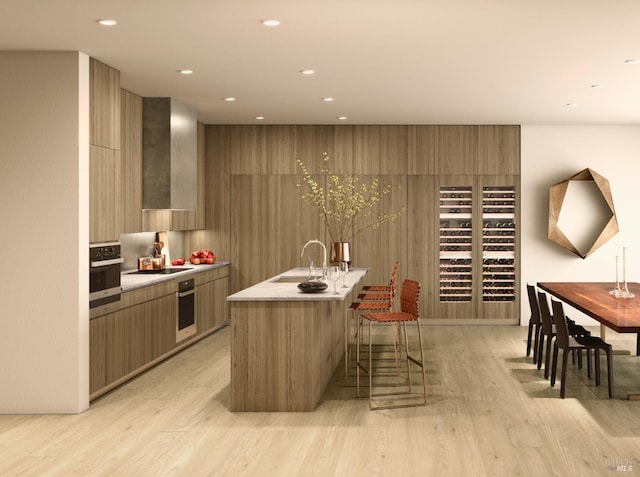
[(169, 154)]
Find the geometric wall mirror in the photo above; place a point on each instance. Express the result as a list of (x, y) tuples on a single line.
[(581, 213)]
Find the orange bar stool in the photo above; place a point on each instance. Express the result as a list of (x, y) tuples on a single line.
[(409, 294), (374, 292), (359, 307)]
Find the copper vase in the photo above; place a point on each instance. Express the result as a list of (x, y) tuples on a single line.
[(340, 252)]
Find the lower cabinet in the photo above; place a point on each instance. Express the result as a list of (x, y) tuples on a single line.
[(125, 343), (212, 308), (139, 334)]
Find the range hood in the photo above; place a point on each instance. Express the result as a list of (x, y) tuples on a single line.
[(169, 154)]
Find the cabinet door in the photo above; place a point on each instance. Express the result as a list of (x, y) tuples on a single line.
[(97, 363), (104, 198), (139, 334), (131, 153), (212, 308), (104, 101)]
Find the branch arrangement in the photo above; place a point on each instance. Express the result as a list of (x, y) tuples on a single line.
[(347, 206)]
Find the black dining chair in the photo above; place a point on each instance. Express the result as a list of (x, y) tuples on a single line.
[(548, 331), (535, 323), (569, 343)]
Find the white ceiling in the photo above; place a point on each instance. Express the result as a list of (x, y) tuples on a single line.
[(384, 61)]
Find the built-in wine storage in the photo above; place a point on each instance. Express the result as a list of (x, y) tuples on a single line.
[(456, 243), (498, 243)]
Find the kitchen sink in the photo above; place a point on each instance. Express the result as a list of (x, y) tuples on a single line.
[(289, 279)]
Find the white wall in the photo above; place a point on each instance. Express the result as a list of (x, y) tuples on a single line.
[(44, 116), (550, 154)]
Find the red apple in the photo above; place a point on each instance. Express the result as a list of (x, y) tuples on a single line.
[(181, 261), (209, 260)]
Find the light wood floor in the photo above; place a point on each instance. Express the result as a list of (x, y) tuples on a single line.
[(489, 412)]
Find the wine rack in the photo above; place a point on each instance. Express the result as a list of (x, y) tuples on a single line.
[(456, 240), (498, 243)]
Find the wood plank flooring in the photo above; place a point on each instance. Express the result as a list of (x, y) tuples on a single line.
[(489, 412)]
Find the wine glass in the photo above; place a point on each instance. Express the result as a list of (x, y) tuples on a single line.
[(344, 269), (334, 276)]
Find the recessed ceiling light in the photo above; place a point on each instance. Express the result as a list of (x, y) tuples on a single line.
[(632, 62), (107, 22), (229, 99), (327, 100), (259, 118), (270, 23), (342, 118), (597, 86), (308, 72), (185, 72), (572, 105)]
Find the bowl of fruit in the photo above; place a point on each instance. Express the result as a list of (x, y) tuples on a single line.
[(202, 257)]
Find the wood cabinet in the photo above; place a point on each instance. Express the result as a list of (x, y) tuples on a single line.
[(212, 309), (105, 202), (131, 153), (104, 100), (143, 332), (137, 335)]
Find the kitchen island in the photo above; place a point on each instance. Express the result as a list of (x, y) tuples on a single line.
[(285, 344)]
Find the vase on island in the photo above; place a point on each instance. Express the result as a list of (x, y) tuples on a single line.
[(340, 252)]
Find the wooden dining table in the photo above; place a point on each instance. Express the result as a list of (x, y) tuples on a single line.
[(594, 300)]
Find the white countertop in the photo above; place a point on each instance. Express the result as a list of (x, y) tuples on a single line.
[(273, 290), (130, 281)]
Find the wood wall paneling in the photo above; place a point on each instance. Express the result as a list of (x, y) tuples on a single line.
[(394, 150), (456, 150), (270, 223), (256, 227), (499, 150), (422, 261), (311, 143), (343, 148), (366, 150), (421, 153)]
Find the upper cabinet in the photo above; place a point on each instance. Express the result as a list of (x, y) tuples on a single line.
[(131, 152), (105, 197), (104, 93)]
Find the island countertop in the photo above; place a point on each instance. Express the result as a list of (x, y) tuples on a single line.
[(284, 287)]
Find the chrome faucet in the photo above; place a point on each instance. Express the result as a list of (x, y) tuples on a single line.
[(324, 260)]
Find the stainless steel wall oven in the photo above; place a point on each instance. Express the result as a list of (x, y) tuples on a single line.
[(104, 278)]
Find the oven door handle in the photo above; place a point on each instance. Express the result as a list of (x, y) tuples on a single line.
[(106, 263), (186, 293)]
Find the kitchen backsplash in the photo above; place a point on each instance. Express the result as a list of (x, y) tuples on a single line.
[(139, 245)]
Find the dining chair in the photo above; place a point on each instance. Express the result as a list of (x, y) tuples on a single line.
[(535, 323), (568, 343), (409, 312), (548, 332)]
